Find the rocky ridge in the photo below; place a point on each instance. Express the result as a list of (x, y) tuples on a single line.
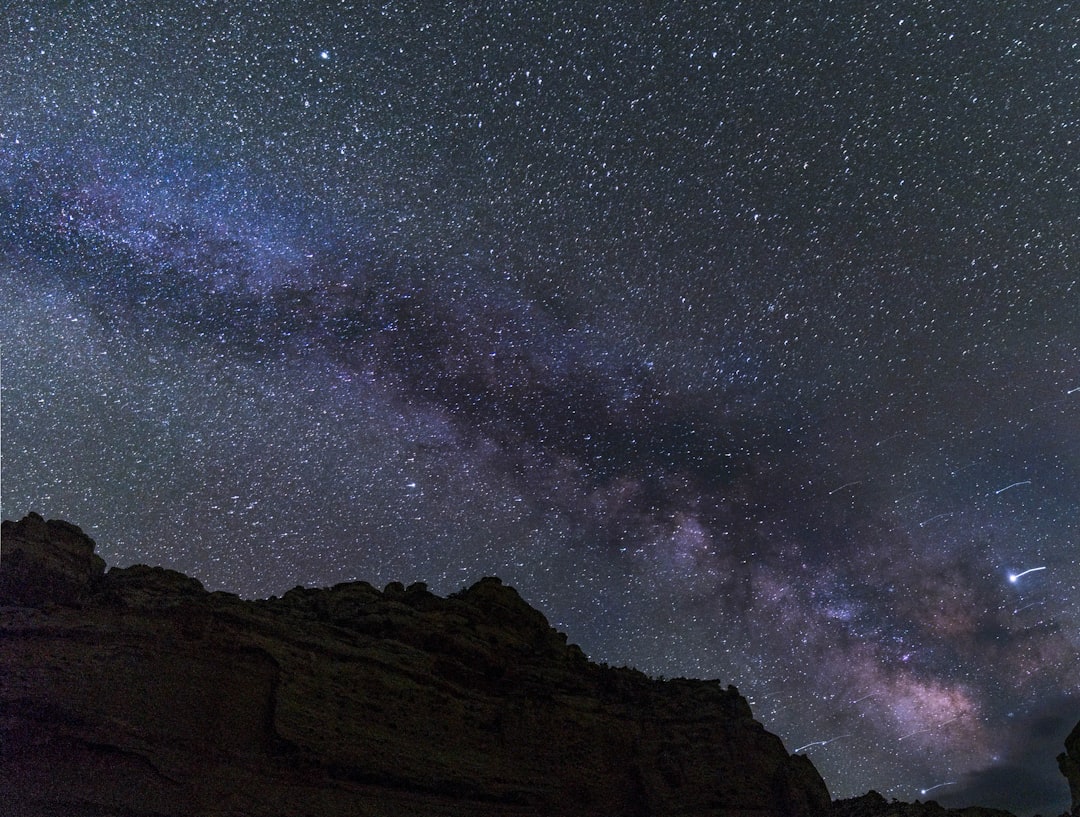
[(136, 692), (1069, 763), (873, 804)]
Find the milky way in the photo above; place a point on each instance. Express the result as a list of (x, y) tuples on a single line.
[(741, 339)]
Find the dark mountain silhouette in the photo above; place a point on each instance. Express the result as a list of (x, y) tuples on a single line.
[(1069, 763), (135, 692)]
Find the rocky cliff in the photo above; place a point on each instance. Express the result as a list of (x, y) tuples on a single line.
[(135, 692), (1069, 763)]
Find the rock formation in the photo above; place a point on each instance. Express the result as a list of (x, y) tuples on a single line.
[(1069, 763), (136, 692), (872, 804)]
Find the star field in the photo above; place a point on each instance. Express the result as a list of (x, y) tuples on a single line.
[(739, 337)]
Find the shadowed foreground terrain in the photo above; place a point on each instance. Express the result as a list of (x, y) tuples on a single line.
[(135, 692)]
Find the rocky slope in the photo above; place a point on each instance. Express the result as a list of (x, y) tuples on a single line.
[(1069, 763), (872, 804), (135, 692)]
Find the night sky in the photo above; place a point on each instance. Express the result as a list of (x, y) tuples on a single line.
[(740, 337)]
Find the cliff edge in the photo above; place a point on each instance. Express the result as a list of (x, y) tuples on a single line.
[(136, 692), (1069, 763)]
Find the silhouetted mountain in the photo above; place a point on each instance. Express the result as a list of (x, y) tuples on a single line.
[(872, 804), (136, 692), (1069, 763)]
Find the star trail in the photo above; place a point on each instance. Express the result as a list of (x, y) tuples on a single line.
[(739, 337)]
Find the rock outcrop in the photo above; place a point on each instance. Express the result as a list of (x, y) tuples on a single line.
[(1069, 763), (872, 804), (46, 561), (136, 692)]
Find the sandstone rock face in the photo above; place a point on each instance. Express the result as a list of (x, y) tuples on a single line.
[(1069, 763), (46, 561), (136, 692)]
